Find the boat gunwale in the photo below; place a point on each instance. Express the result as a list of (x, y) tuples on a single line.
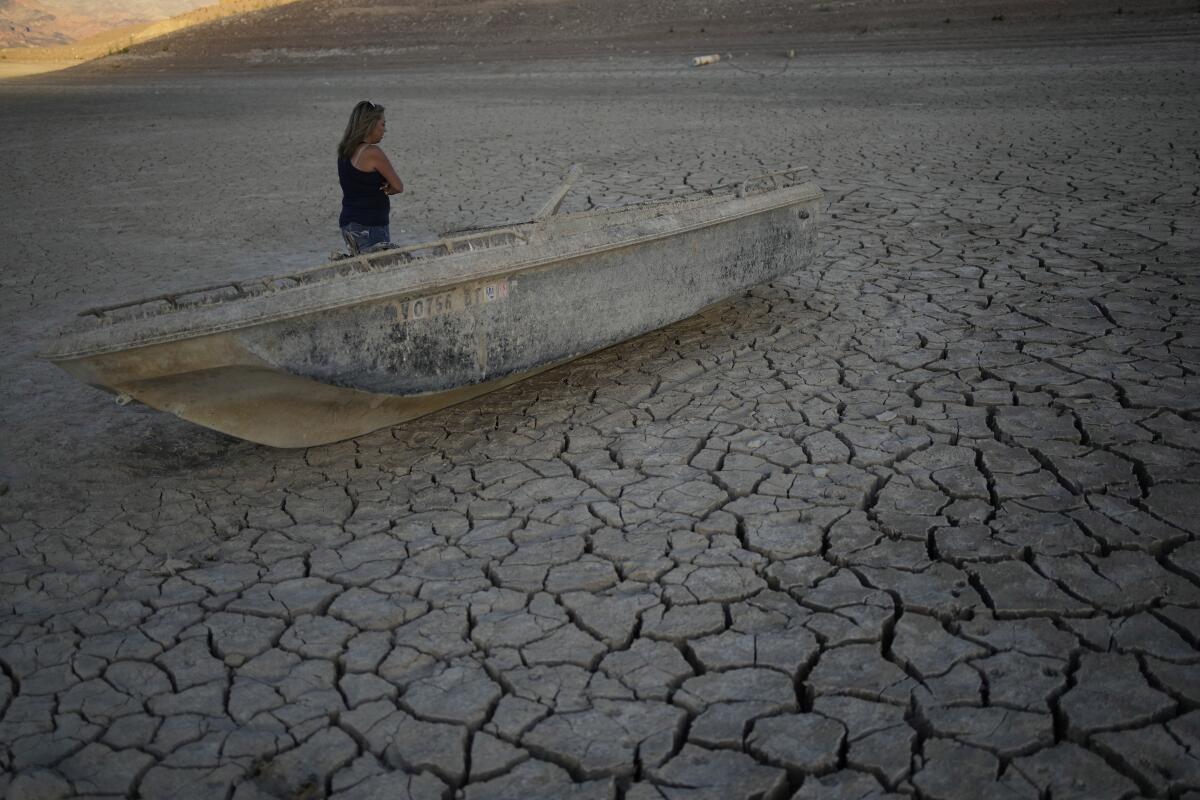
[(748, 205), (450, 243)]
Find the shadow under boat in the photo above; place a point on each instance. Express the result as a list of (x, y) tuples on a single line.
[(327, 354)]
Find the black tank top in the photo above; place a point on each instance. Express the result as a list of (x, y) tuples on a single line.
[(363, 201)]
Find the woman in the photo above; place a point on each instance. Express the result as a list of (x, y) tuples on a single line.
[(367, 178)]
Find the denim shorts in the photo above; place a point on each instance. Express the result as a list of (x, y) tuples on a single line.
[(361, 238)]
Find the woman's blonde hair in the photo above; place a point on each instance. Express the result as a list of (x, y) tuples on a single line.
[(362, 119)]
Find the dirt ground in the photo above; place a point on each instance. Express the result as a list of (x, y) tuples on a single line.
[(962, 446)]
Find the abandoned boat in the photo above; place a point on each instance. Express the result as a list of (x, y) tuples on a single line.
[(334, 352)]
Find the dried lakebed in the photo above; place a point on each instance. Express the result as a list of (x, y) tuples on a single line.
[(917, 521)]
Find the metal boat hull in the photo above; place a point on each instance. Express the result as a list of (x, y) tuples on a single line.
[(313, 371)]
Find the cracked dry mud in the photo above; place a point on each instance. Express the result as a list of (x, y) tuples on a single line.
[(917, 520)]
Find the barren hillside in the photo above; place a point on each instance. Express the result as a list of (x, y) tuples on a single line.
[(38, 23), (251, 33), (117, 36)]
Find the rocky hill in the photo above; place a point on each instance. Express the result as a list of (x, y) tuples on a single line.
[(38, 23)]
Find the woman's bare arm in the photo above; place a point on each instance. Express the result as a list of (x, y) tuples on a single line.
[(374, 158)]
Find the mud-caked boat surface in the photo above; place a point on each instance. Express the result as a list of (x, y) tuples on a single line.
[(324, 355)]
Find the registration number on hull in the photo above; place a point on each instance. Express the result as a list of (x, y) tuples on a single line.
[(459, 298)]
